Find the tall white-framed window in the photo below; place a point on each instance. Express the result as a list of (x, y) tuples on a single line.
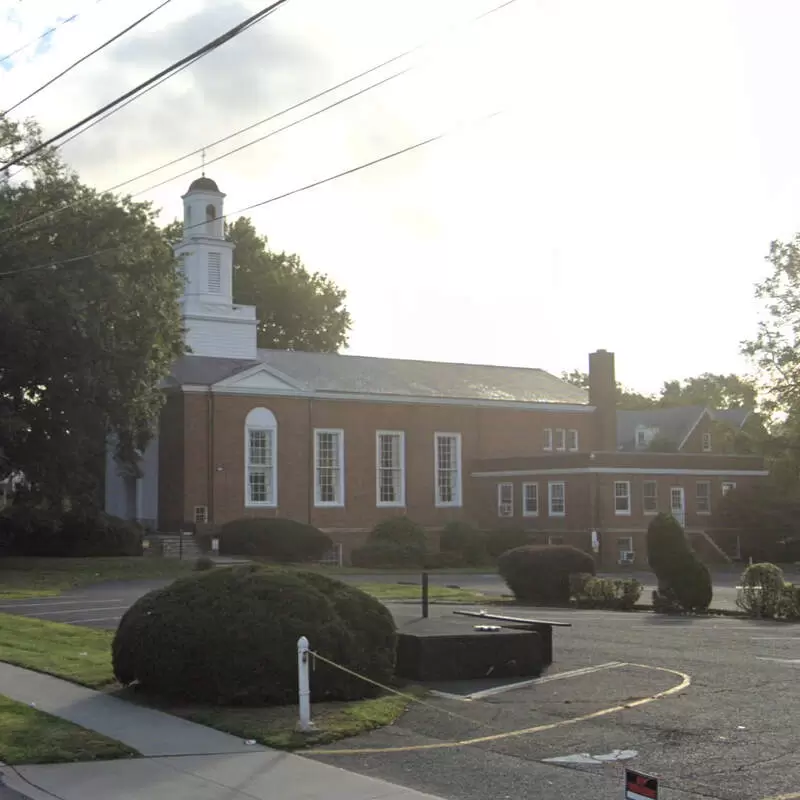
[(261, 450), (727, 487), (328, 467), (703, 497), (650, 497), (530, 499), (706, 442), (622, 497), (557, 498), (214, 273), (447, 456), (572, 439), (390, 457), (547, 439), (561, 439), (505, 499)]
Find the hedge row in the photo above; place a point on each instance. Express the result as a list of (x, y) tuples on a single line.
[(31, 531)]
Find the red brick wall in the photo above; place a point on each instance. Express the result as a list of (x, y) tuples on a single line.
[(170, 464), (484, 432)]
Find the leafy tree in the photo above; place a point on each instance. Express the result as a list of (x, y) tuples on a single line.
[(85, 343), (711, 391), (296, 309), (626, 398)]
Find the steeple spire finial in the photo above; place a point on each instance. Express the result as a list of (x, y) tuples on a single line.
[(203, 157)]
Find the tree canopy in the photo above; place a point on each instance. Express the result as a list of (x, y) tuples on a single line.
[(86, 341), (296, 309)]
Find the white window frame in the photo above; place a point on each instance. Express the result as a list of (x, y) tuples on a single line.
[(547, 439), (645, 510), (572, 440), (550, 486), (261, 419), (457, 490), (526, 511), (505, 508), (706, 442), (622, 512), (338, 502), (555, 539), (707, 498), (200, 515), (728, 486), (400, 500), (561, 436)]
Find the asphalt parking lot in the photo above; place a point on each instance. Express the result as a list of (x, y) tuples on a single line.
[(727, 727), (731, 732)]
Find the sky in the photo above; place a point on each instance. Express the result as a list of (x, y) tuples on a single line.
[(644, 157)]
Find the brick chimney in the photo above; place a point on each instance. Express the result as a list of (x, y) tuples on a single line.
[(603, 396)]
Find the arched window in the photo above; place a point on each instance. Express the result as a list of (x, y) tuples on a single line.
[(211, 216), (261, 463)]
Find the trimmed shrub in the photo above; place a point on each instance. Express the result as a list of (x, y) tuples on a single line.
[(203, 563), (762, 593), (30, 531), (790, 602), (540, 573), (401, 531), (684, 582), (500, 541), (618, 595), (395, 542), (387, 555), (277, 539), (577, 583), (466, 540), (229, 636)]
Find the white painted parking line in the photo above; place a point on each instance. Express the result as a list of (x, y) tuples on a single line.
[(47, 603), (510, 687), (94, 619), (775, 638), (794, 661), (73, 611)]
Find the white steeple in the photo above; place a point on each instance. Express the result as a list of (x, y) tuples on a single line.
[(214, 325)]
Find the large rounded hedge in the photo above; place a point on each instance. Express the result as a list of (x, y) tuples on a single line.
[(540, 573), (229, 636), (275, 538)]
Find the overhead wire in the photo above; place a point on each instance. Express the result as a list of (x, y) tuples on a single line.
[(314, 184), (421, 46), (22, 47), (169, 71), (86, 57)]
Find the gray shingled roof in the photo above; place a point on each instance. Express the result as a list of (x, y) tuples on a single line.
[(346, 374), (672, 423)]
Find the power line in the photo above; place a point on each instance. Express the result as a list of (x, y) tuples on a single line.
[(41, 36), (169, 71), (87, 56), (270, 118), (402, 151)]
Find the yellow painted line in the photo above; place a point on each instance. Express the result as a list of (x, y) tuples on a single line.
[(793, 796), (684, 684)]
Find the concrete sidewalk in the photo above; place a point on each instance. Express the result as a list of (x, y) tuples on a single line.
[(186, 761)]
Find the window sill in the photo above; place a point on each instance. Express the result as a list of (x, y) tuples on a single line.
[(328, 505), (703, 513), (260, 505), (390, 505), (557, 514), (448, 505), (530, 513), (622, 513)]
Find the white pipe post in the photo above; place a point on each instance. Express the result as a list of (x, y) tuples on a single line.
[(303, 682)]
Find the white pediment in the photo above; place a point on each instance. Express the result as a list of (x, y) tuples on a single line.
[(259, 379)]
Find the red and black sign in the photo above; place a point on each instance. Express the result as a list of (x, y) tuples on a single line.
[(640, 787)]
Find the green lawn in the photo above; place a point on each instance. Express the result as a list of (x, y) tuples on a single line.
[(29, 736), (275, 726), (40, 577), (399, 591), (80, 655)]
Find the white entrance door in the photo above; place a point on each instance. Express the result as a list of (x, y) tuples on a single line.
[(677, 504)]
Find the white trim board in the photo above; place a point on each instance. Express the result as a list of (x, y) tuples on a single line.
[(224, 388), (621, 470)]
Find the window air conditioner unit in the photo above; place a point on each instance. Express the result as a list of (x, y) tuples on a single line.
[(506, 510), (627, 556)]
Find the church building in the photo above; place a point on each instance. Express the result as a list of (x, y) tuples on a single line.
[(344, 441)]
